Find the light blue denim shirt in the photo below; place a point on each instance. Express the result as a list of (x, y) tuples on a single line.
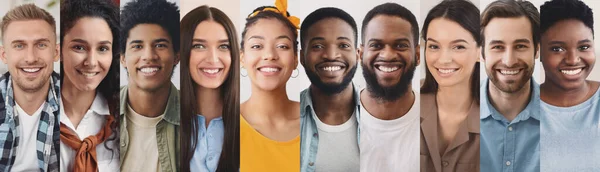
[(309, 136), (570, 139), (508, 146), (209, 145)]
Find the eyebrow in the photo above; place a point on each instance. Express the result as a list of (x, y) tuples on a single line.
[(204, 40), (161, 40), (37, 40), (396, 40), (452, 42), (584, 41), (85, 42)]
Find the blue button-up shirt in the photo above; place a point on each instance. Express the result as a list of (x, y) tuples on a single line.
[(209, 145), (309, 136), (508, 146)]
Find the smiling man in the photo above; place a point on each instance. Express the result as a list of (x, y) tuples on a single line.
[(29, 130), (570, 131), (510, 98), (330, 106), (389, 116), (150, 102)]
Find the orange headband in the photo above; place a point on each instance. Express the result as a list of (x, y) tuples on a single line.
[(281, 8)]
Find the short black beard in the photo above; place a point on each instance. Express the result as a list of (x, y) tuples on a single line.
[(392, 93), (330, 89)]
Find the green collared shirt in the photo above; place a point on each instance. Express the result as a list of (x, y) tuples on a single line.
[(167, 131)]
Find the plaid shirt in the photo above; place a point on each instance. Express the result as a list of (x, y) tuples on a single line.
[(48, 133)]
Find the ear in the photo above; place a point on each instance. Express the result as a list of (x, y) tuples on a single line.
[(418, 54), (302, 56), (296, 62), (360, 51), (123, 61), (242, 59), (57, 53), (3, 55), (479, 52), (537, 52), (177, 58)]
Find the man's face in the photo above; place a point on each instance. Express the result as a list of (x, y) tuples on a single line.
[(330, 56), (568, 54), (509, 53), (389, 57), (30, 50), (149, 57)]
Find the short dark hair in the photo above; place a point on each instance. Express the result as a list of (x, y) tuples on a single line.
[(323, 13), (558, 10), (392, 9), (467, 16), (160, 12), (509, 9), (260, 13)]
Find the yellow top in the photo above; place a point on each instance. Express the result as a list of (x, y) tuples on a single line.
[(261, 154)]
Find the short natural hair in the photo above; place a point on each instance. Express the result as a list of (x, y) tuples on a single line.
[(557, 10), (509, 9), (27, 12), (396, 10)]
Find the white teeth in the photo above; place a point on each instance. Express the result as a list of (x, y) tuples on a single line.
[(31, 70), (446, 71), (210, 71), (509, 72), (89, 74), (572, 72), (149, 69), (388, 69), (332, 68), (268, 69)]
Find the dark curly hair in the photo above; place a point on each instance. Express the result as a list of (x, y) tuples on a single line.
[(160, 12), (266, 14), (73, 10), (558, 10)]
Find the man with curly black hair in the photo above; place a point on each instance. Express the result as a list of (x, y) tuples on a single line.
[(149, 110)]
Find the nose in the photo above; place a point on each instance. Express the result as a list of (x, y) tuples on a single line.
[(445, 57), (214, 55), (572, 58), (270, 54), (31, 56), (331, 53), (388, 53), (509, 58), (149, 54), (91, 59)]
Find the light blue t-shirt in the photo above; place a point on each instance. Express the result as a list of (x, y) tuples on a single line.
[(570, 139), (209, 145)]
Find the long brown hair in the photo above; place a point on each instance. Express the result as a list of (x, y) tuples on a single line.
[(230, 91), (466, 15)]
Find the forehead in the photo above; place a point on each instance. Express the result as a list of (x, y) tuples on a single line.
[(386, 27), (508, 29), (210, 29), (148, 32), (28, 30), (269, 28), (570, 30), (330, 27), (90, 28), (440, 28)]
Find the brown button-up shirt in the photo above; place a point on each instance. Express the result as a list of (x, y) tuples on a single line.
[(462, 154)]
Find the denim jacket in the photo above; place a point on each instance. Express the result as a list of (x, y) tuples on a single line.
[(309, 136)]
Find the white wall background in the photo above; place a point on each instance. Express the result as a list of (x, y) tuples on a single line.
[(54, 10), (357, 8), (123, 72)]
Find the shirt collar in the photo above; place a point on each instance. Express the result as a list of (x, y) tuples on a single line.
[(171, 111), (488, 110), (307, 103)]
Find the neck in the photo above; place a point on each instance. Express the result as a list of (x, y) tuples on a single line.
[(30, 101), (76, 102), (148, 103), (555, 95), (269, 104), (333, 109), (210, 103), (448, 100), (388, 110), (509, 104)]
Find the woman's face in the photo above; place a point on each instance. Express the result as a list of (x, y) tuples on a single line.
[(87, 53), (210, 56), (451, 52), (567, 50), (268, 54)]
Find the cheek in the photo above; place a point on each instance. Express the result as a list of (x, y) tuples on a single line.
[(106, 61), (195, 59), (431, 58)]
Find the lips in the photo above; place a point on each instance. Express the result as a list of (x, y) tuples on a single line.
[(509, 71), (269, 69), (149, 70), (447, 70), (332, 68), (388, 67), (571, 71), (31, 70), (88, 73)]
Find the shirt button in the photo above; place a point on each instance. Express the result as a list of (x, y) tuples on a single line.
[(311, 163), (445, 163), (315, 135), (507, 163), (510, 128)]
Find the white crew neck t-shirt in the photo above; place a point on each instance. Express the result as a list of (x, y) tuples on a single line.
[(26, 159)]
